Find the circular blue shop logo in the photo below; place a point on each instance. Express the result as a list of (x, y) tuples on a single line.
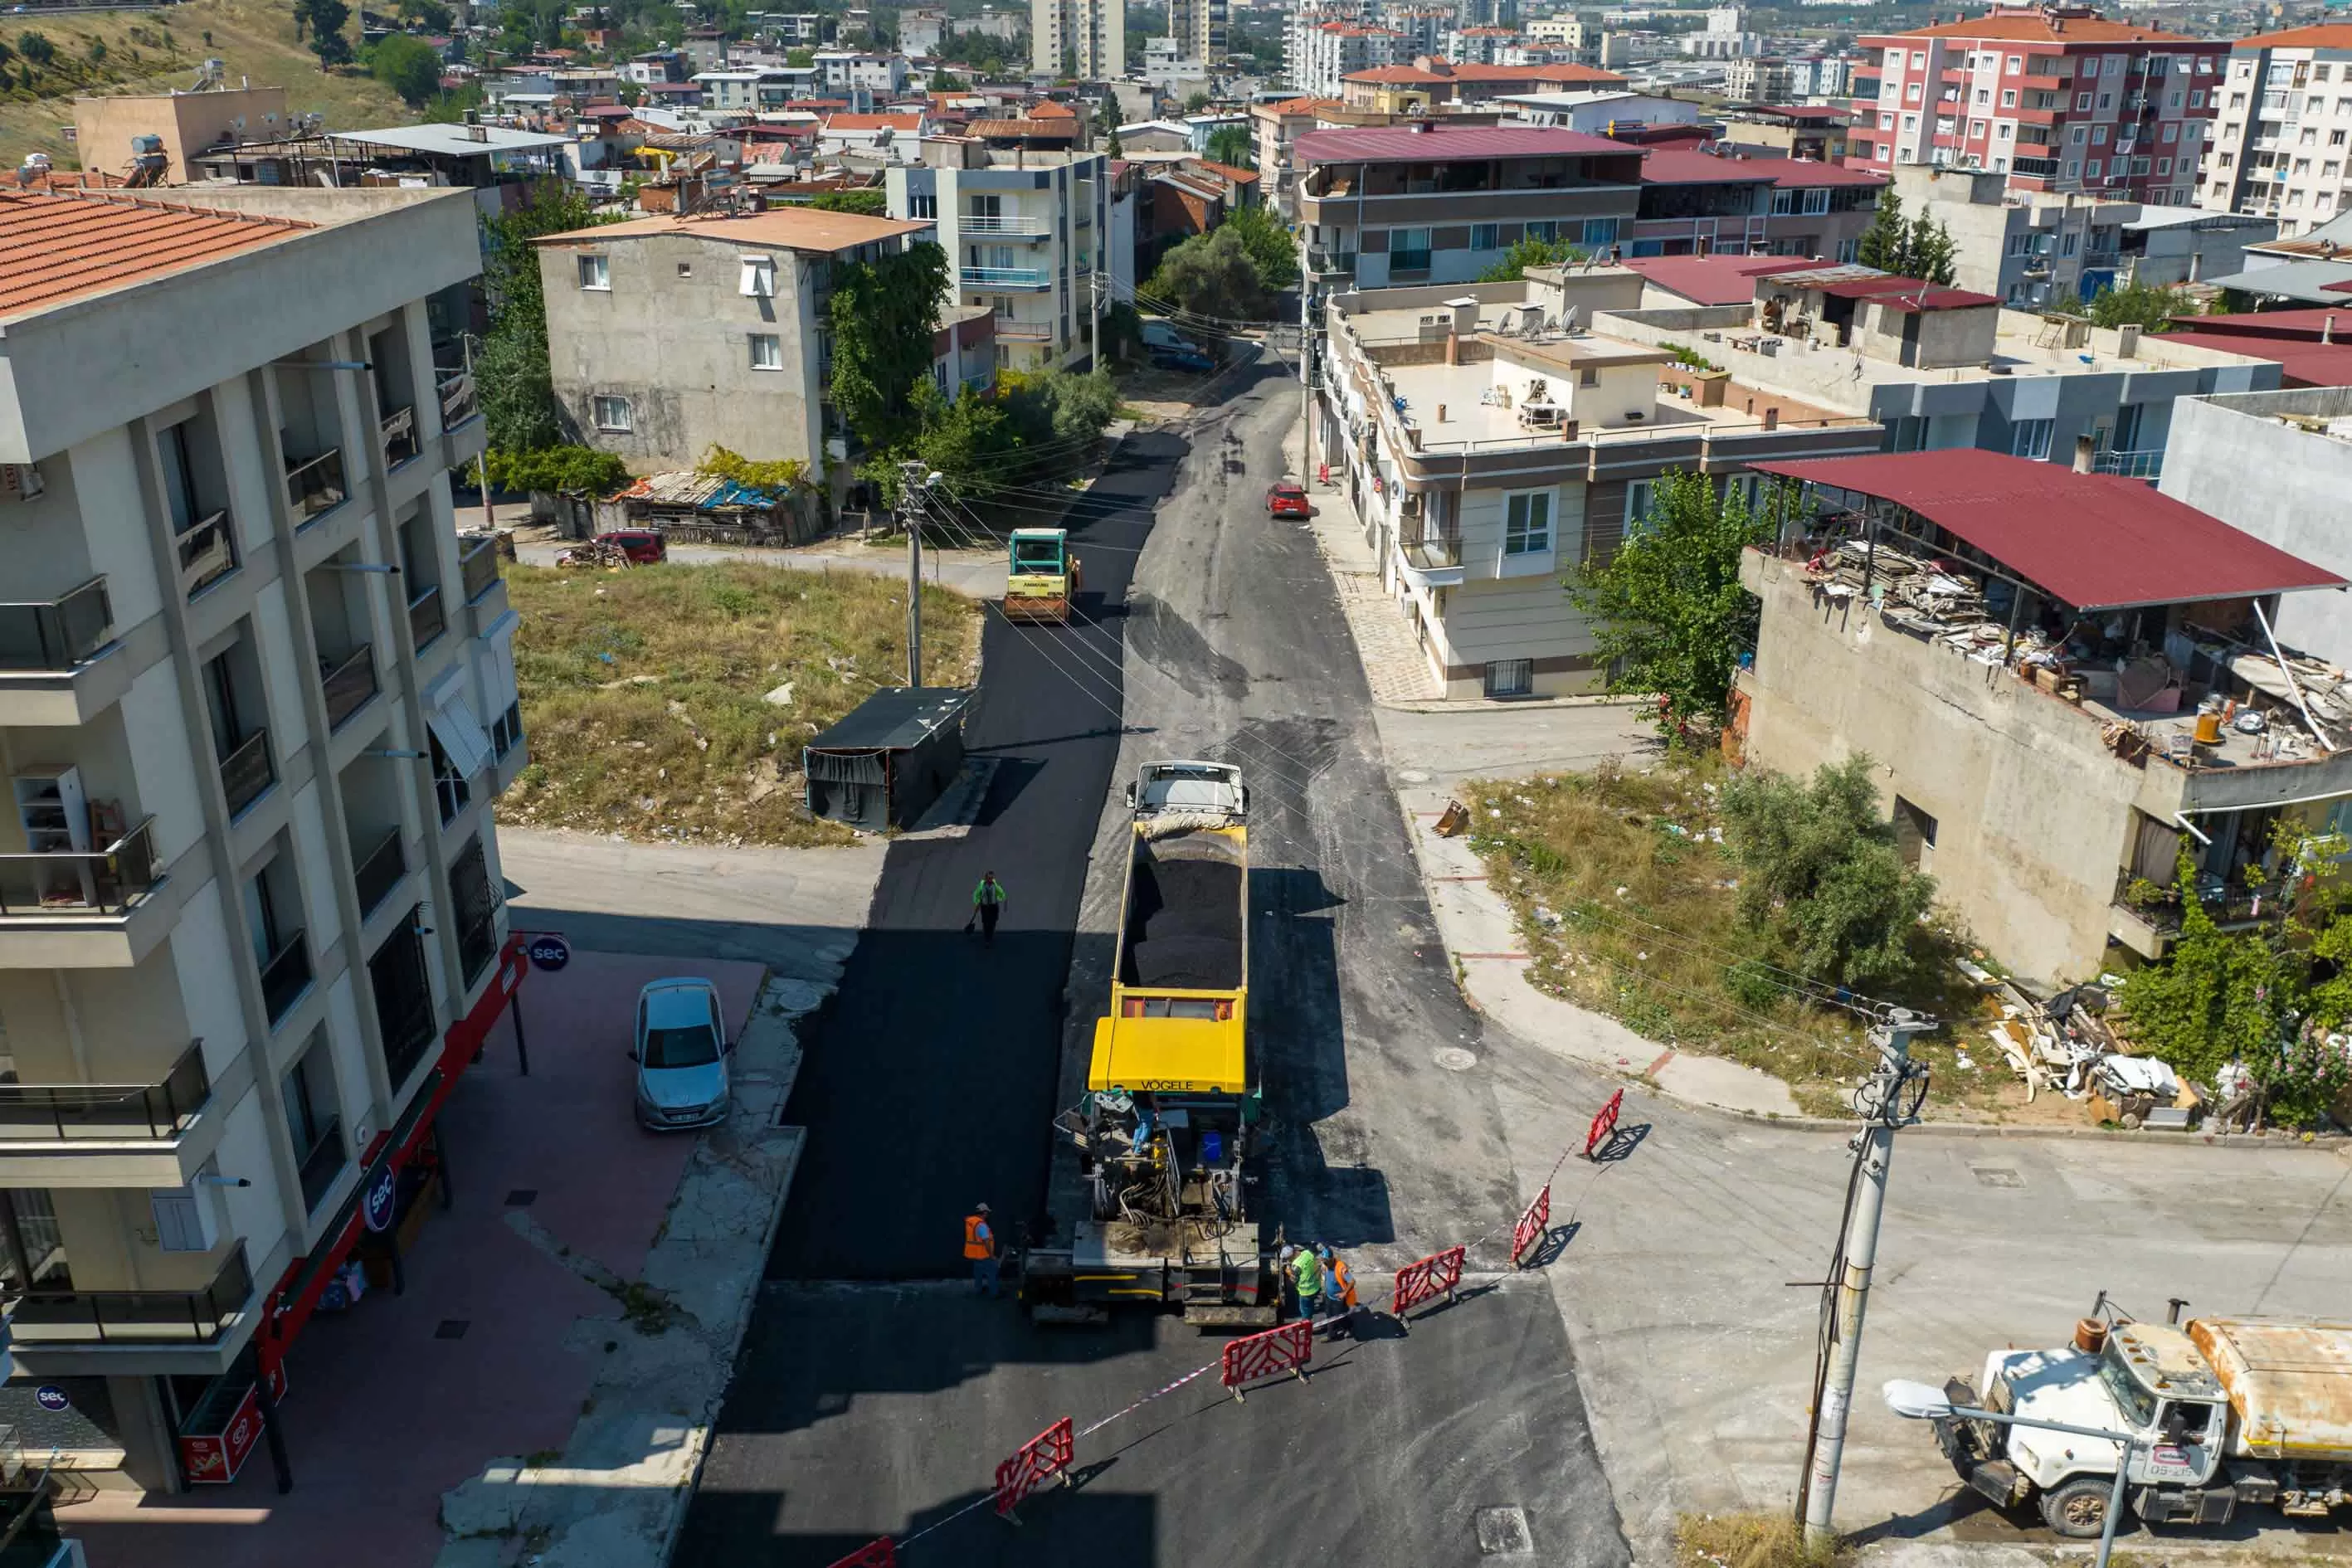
[(377, 1206), (549, 950), (49, 1397)]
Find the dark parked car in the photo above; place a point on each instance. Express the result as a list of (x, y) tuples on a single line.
[(1191, 359)]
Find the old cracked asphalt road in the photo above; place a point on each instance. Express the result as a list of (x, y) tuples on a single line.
[(873, 1395)]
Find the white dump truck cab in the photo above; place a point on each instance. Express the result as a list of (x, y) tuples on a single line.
[(1211, 788)]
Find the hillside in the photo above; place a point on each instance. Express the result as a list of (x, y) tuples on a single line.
[(156, 51)]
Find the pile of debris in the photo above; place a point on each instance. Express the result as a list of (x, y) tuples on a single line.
[(2070, 1043)]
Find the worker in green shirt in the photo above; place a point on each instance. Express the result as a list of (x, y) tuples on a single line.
[(1307, 1270), (987, 903)]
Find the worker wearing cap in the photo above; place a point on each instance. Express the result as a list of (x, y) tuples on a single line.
[(987, 903), (1307, 1270), (1339, 1293), (980, 1247)]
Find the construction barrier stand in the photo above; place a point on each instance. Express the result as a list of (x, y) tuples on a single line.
[(1286, 1349), (1604, 1124), (1533, 1225), (883, 1553), (1433, 1276), (1039, 1460)]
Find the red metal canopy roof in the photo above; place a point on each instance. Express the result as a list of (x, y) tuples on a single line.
[(2096, 542), (1442, 145), (1713, 279)]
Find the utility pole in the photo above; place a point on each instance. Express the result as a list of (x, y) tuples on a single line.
[(912, 486), (1305, 378), (1888, 1099)]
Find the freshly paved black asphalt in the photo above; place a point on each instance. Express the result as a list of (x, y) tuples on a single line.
[(928, 1082)]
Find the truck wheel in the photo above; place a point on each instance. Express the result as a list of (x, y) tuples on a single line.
[(2078, 1508)]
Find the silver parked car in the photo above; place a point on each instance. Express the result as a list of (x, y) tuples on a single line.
[(681, 1053)]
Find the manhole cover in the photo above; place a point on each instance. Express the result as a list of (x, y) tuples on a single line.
[(1454, 1059), (1998, 1177), (522, 1197), (1503, 1533), (452, 1328)]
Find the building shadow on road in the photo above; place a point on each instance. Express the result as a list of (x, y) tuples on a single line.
[(1084, 1522)]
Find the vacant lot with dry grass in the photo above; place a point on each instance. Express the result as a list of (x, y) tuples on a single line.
[(1626, 900), (646, 692)]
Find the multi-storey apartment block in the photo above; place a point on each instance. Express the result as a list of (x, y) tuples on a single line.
[(1082, 38), (2279, 147), (1198, 28), (2058, 99), (256, 694)]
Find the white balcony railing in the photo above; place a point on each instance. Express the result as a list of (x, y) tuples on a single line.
[(974, 223), (1006, 277)]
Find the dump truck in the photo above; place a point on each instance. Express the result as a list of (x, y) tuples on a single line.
[(1042, 584), (1167, 1132), (2222, 1412)]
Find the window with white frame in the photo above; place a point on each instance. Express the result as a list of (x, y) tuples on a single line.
[(2031, 438), (595, 271), (1526, 523), (767, 351), (1600, 231), (759, 281), (610, 413), (1485, 237), (1640, 496)]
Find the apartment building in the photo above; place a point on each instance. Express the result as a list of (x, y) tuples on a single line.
[(1580, 35), (2059, 98), (1697, 204), (1027, 233), (862, 78), (2030, 250), (2031, 702), (1432, 202), (1328, 52), (1086, 40), (1758, 79), (2279, 147), (1426, 82), (668, 335), (256, 694), (1198, 30), (1488, 450), (1799, 130)]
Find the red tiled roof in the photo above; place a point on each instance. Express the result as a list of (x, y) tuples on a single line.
[(1798, 174), (2032, 26), (1446, 70), (2326, 36), (1678, 166), (1049, 110), (1239, 176), (1440, 144), (1302, 105), (1713, 279), (61, 244), (2306, 323), (1033, 130), (2301, 361), (2096, 542)]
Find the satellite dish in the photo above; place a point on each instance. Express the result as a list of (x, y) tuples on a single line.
[(1567, 319)]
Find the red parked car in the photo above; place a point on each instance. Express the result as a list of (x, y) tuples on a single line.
[(1286, 500), (641, 545)]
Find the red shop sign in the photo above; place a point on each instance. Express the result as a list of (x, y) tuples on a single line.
[(216, 1460)]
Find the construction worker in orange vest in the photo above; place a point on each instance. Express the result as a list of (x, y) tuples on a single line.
[(980, 1247), (1338, 1292)]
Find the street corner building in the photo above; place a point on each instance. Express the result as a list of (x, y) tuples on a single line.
[(2065, 678), (256, 693)]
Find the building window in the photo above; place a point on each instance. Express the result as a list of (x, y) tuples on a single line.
[(1600, 231), (2031, 438), (923, 207), (1526, 523), (759, 281), (1510, 678), (2008, 98), (317, 1132), (595, 272), (1485, 237), (1544, 229), (767, 351), (1408, 250), (1639, 497), (612, 412)]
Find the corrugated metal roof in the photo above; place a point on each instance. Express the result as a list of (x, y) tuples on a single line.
[(2326, 36), (2096, 542), (1678, 166), (61, 244), (2032, 27), (1713, 279), (453, 141), (2301, 361), (1442, 145)]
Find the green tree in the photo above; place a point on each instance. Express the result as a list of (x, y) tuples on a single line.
[(884, 313), (1820, 873), (800, 59), (325, 21), (580, 469), (869, 202), (1668, 613), (1106, 126), (1882, 243), (1928, 252), (1271, 248), (97, 51), (1230, 144), (1211, 274), (36, 48), (407, 65), (945, 81), (430, 15), (2218, 994), (1197, 103), (517, 392), (2151, 306), (1526, 253)]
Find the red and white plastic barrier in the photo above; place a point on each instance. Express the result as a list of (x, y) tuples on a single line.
[(1605, 1123), (1533, 1226), (882, 1554), (1270, 1354), (1035, 1462), (1436, 1274)]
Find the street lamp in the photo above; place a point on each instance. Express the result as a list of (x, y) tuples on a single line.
[(1923, 1402)]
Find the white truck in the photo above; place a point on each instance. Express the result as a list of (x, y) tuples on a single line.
[(2222, 1412)]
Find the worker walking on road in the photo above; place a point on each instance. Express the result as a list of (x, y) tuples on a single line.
[(987, 903), (1339, 1293), (980, 1247), (1307, 1270)]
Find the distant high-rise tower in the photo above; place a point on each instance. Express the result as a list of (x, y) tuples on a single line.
[(1084, 38), (1199, 28)]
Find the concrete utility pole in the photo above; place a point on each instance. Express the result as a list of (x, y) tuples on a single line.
[(1888, 1099), (1306, 377), (912, 486)]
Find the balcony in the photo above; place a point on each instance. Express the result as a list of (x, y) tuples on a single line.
[(459, 400), (379, 872), (426, 618), (141, 1318), (2145, 917), (323, 1165), (315, 485), (1024, 331), (247, 772), (207, 554), (399, 431), (478, 566), (973, 223), (350, 685), (1432, 560), (57, 634), (1007, 278), (285, 977), (104, 1112), (106, 881), (2146, 463)]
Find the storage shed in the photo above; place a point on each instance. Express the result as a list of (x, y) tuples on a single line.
[(886, 760)]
